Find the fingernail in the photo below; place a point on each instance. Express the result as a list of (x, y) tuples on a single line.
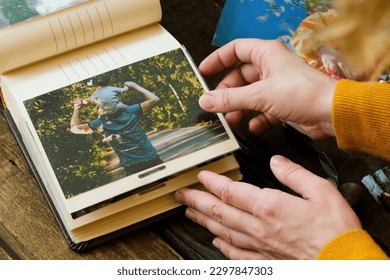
[(216, 243), (201, 175), (206, 101), (278, 160), (190, 214), (179, 196)]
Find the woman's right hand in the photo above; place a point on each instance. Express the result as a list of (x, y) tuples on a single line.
[(270, 79)]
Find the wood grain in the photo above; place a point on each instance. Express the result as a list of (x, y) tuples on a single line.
[(28, 229)]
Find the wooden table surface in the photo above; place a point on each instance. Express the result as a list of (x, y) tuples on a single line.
[(28, 229)]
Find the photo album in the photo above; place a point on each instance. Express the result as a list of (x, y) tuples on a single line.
[(103, 102)]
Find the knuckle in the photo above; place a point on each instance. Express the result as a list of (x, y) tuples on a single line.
[(225, 193), (216, 213), (226, 235), (264, 210), (262, 238), (225, 99), (290, 169)]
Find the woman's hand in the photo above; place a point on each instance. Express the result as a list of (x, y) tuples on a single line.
[(255, 223), (268, 78)]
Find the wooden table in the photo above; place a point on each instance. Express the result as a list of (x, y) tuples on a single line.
[(28, 229)]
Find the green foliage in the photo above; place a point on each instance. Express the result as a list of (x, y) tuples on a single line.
[(16, 10), (79, 161)]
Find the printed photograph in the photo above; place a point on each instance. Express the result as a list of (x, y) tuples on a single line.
[(13, 11), (378, 184), (123, 122), (265, 19)]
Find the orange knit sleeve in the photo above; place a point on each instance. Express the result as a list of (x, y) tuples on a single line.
[(361, 122), (361, 117), (352, 245)]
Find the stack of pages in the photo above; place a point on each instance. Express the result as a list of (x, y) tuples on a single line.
[(104, 104)]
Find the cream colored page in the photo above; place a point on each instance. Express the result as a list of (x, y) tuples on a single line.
[(67, 69), (83, 64), (84, 24)]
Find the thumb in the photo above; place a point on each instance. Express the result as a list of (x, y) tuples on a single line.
[(219, 100), (230, 99), (297, 178)]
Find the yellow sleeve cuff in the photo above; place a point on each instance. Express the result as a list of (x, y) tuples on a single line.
[(360, 117), (352, 245)]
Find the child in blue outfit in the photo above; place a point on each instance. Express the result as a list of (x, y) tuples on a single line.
[(120, 125)]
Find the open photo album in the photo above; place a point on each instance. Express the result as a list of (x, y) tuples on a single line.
[(104, 104)]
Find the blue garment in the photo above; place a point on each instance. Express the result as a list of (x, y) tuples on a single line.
[(107, 98), (124, 132)]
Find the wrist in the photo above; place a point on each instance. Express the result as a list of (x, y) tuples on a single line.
[(325, 102)]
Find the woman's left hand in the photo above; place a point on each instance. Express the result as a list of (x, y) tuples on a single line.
[(255, 223)]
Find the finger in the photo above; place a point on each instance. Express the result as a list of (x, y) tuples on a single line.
[(224, 221), (261, 204), (229, 55), (236, 253), (226, 189), (236, 79), (217, 210), (235, 118), (262, 122), (225, 100), (242, 208), (242, 75), (258, 52), (299, 179), (232, 223), (259, 123), (228, 234)]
